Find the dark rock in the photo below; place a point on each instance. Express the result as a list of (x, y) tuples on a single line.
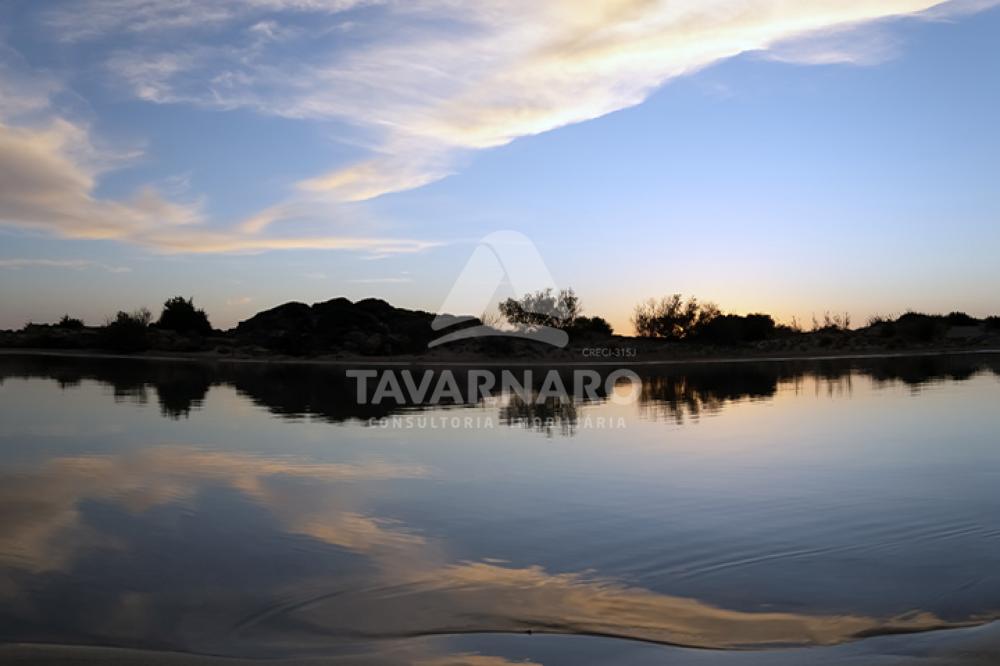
[(370, 326)]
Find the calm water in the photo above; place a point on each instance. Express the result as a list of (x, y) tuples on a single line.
[(820, 511)]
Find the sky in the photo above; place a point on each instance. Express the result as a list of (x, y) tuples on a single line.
[(786, 156)]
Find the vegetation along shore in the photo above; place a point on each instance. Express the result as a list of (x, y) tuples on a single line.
[(668, 328)]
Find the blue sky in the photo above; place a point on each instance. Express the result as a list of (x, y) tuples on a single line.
[(790, 157)]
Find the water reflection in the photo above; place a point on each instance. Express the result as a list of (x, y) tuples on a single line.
[(247, 555), (43, 508), (672, 392), (548, 415), (260, 534)]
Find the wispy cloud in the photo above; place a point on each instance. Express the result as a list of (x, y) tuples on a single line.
[(479, 75), (49, 173), (22, 93), (424, 83), (865, 46), (52, 165), (74, 264), (153, 16), (381, 280)]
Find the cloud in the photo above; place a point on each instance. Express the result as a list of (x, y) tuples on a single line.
[(48, 176), (74, 264), (857, 46), (382, 280), (424, 84), (51, 168), (480, 75), (22, 94), (146, 16)]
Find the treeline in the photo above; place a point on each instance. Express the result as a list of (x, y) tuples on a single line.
[(673, 318), (676, 319), (922, 327), (128, 331), (375, 328)]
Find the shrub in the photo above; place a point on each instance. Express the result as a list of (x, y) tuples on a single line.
[(592, 326), (128, 331), (961, 319), (787, 330), (836, 323), (919, 326), (736, 329), (180, 315), (70, 323)]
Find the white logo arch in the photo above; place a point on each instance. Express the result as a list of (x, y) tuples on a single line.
[(500, 255)]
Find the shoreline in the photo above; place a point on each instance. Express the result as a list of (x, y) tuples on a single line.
[(961, 646), (418, 361)]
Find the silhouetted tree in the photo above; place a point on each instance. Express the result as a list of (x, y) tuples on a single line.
[(543, 308), (671, 317), (180, 315)]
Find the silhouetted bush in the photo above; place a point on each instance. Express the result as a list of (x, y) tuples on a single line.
[(961, 319), (180, 315), (671, 318), (992, 323), (882, 325), (920, 327), (879, 320), (543, 308), (592, 326), (128, 331), (70, 323), (835, 323), (734, 329), (787, 330)]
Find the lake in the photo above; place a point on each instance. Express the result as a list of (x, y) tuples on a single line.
[(801, 511)]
